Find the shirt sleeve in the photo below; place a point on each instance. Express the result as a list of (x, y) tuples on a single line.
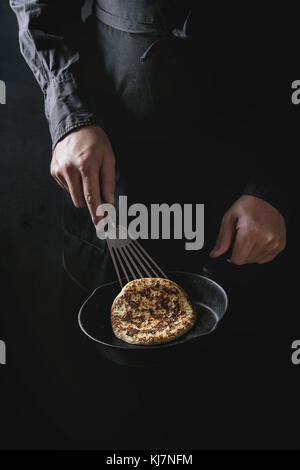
[(272, 179), (273, 191), (51, 35)]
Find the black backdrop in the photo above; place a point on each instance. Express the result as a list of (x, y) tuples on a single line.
[(242, 391)]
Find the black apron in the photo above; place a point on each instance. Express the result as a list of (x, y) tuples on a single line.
[(149, 82)]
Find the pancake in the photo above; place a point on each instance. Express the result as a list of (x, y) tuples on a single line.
[(151, 311)]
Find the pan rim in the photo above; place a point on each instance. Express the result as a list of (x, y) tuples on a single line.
[(141, 347)]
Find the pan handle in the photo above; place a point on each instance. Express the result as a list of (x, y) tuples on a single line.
[(212, 265)]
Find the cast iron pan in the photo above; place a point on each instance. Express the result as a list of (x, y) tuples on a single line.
[(209, 299)]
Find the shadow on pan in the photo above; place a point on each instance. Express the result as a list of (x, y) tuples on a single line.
[(208, 298)]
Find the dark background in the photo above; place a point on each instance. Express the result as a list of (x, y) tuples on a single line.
[(240, 390)]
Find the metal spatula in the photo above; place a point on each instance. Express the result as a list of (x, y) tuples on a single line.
[(131, 258)]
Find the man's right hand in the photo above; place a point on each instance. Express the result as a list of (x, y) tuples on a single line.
[(83, 163)]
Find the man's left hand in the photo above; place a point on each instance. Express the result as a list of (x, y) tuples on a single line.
[(258, 230)]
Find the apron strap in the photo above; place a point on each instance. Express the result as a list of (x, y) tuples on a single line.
[(127, 24)]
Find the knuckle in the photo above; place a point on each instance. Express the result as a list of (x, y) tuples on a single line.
[(89, 198), (84, 163), (268, 235), (254, 229), (78, 204), (276, 245), (270, 239), (67, 166), (54, 168), (84, 169)]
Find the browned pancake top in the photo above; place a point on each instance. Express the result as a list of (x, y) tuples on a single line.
[(151, 311)]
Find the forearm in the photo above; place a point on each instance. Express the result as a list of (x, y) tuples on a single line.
[(51, 35)]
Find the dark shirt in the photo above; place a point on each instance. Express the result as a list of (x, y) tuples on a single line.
[(52, 37), (53, 40)]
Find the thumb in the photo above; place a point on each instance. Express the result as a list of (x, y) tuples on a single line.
[(225, 236)]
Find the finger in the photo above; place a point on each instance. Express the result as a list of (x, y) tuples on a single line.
[(108, 179), (268, 258), (91, 190), (61, 181), (266, 255), (57, 175), (75, 188), (225, 236), (266, 251), (242, 247), (256, 253)]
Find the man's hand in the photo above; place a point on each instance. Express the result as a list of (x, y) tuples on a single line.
[(83, 163), (259, 231)]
